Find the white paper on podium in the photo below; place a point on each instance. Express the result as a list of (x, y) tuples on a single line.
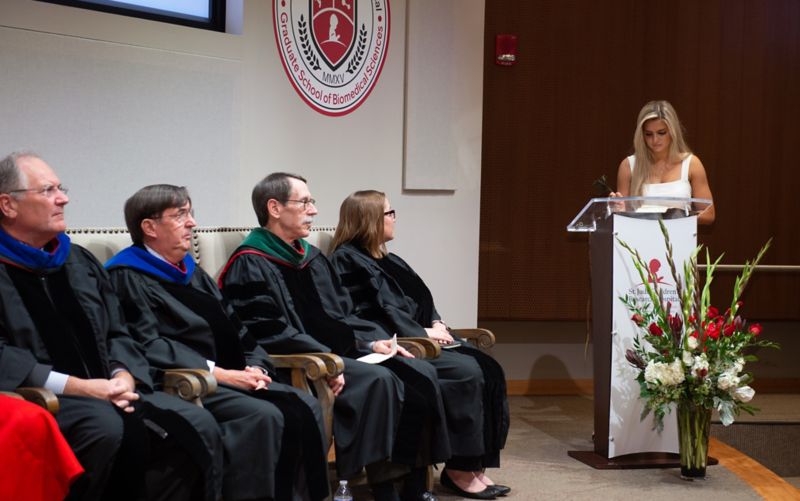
[(627, 434), (652, 209), (376, 358)]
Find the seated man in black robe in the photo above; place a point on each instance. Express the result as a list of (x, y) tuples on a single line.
[(272, 433), (60, 327), (282, 289)]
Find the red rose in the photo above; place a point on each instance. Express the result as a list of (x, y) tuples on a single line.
[(638, 319), (692, 318), (712, 330), (655, 329), (728, 330), (755, 329), (712, 312)]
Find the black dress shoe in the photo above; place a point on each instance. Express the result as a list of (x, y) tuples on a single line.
[(487, 493), (500, 490), (423, 496), (384, 491)]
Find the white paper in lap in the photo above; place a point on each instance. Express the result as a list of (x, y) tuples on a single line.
[(376, 358), (627, 433)]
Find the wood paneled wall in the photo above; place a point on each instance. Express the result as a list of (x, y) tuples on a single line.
[(566, 112)]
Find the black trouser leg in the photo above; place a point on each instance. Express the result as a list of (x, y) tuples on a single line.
[(465, 463), (111, 446), (414, 485), (302, 448), (171, 473)]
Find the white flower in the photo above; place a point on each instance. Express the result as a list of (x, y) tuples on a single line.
[(687, 358), (652, 372), (727, 380), (676, 372), (666, 374), (744, 394), (692, 343), (700, 364), (738, 365)]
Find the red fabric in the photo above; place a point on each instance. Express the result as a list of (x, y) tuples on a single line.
[(36, 463)]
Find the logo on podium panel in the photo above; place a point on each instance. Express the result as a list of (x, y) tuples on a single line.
[(332, 50), (655, 272), (659, 275)]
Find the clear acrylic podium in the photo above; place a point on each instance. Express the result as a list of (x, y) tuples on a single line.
[(621, 439)]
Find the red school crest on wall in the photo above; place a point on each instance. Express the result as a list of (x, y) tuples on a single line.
[(332, 50), (333, 28)]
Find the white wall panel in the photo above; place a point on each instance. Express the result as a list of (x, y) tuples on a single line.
[(115, 103)]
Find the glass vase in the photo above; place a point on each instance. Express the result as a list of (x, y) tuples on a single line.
[(694, 423)]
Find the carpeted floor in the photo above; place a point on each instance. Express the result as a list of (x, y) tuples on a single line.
[(772, 436), (537, 467)]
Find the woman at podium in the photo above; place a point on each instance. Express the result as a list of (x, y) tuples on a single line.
[(662, 164)]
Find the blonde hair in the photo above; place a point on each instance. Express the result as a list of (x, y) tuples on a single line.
[(678, 149), (361, 222)]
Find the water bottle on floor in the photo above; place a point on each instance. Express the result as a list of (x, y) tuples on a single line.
[(343, 492)]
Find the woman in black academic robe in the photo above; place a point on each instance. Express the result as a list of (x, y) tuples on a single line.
[(386, 290)]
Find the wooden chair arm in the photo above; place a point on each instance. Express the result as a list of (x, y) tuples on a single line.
[(40, 396), (482, 338), (431, 347), (333, 363), (189, 384), (207, 380), (414, 347), (315, 368)]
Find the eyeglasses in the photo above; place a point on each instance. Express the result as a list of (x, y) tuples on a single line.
[(179, 217), (305, 203), (48, 190), (391, 213)]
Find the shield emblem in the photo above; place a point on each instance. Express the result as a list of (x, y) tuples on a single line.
[(333, 28)]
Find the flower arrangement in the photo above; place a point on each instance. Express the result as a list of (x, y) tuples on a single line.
[(696, 356)]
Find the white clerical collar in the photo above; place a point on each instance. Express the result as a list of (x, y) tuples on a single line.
[(156, 254)]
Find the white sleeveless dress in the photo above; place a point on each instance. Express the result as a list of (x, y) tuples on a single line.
[(680, 188)]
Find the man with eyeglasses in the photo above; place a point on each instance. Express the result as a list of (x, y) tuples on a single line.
[(271, 432), (287, 294), (60, 328)]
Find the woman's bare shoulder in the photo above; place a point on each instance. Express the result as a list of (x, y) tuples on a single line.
[(696, 165)]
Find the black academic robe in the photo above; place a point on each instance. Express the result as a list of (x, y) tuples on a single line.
[(253, 426), (92, 427), (377, 296), (367, 412)]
